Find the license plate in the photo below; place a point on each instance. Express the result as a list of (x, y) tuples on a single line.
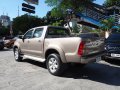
[(98, 59), (115, 55)]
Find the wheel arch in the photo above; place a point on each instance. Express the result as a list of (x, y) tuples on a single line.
[(53, 50)]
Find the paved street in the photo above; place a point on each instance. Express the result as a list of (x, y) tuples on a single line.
[(32, 75)]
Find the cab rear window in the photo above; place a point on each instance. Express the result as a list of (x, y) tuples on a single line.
[(54, 32)]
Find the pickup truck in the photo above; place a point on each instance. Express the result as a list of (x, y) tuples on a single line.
[(56, 47)]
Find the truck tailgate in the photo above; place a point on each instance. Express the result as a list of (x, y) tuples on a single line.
[(93, 45)]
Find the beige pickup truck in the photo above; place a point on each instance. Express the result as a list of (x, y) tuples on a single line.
[(56, 47)]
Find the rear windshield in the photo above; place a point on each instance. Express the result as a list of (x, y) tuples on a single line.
[(57, 32)]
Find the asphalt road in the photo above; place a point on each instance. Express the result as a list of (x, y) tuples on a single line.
[(32, 75)]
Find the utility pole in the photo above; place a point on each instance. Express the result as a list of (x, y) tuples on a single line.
[(18, 11)]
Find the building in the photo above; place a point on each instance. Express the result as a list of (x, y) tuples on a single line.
[(5, 20), (94, 13), (114, 11)]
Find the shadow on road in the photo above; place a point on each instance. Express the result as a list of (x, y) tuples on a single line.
[(96, 72), (35, 63), (6, 49), (113, 61)]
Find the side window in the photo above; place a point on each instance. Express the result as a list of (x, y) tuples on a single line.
[(28, 34), (38, 33)]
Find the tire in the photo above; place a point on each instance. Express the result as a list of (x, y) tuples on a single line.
[(17, 55), (55, 65)]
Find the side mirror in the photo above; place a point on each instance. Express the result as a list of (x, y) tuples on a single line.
[(21, 37)]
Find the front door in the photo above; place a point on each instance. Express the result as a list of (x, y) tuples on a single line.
[(36, 43), (25, 42)]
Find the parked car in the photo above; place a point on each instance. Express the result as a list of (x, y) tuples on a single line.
[(56, 47), (1, 43), (112, 46), (9, 41)]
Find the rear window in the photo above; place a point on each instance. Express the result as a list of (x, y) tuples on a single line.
[(57, 32)]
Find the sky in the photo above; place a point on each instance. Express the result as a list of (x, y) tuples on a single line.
[(11, 7)]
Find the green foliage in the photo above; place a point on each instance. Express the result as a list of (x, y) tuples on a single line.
[(23, 23), (58, 23), (107, 24), (112, 3), (57, 12), (75, 29), (60, 6), (4, 31)]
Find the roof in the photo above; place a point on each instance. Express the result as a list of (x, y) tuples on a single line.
[(113, 7), (89, 21)]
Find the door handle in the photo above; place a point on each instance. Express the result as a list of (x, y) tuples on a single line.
[(39, 40)]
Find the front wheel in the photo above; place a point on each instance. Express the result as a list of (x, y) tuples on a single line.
[(54, 64), (17, 55)]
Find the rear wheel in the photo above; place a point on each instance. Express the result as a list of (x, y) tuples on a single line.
[(17, 55), (54, 64)]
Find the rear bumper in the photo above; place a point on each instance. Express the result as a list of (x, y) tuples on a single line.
[(84, 59), (108, 56), (91, 58)]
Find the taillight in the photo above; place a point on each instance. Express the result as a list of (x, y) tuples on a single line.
[(80, 49)]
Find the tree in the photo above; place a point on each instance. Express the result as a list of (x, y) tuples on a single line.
[(60, 6), (107, 24), (4, 31), (23, 23), (108, 3)]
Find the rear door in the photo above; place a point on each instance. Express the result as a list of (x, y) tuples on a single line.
[(36, 43)]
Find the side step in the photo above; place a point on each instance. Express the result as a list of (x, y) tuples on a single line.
[(34, 58)]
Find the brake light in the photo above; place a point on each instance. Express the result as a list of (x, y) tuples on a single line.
[(80, 49)]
